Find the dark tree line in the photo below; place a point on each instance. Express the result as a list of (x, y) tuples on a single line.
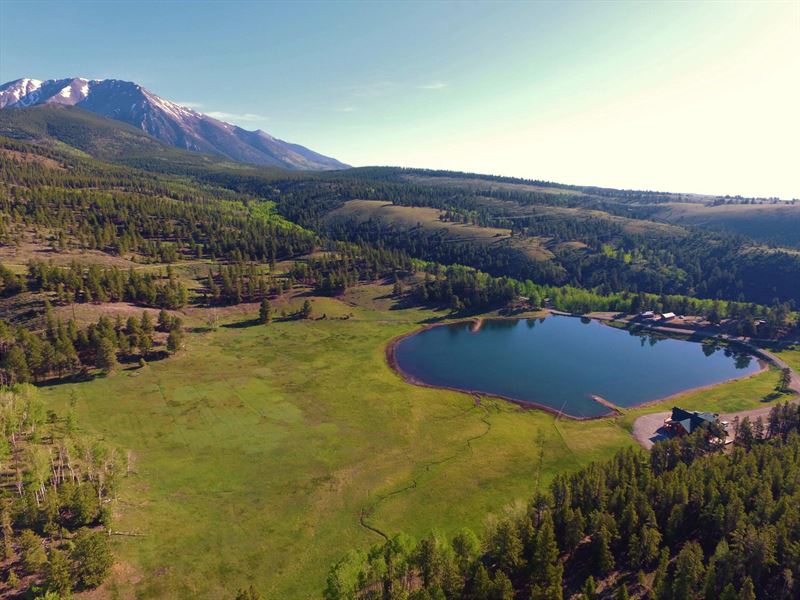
[(345, 265), (93, 283), (234, 284), (65, 350), (460, 287)]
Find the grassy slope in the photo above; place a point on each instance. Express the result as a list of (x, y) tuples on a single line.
[(409, 217), (487, 185), (536, 248), (765, 222), (792, 357), (258, 448)]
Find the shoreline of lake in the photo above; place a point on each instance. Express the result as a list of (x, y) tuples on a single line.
[(614, 409)]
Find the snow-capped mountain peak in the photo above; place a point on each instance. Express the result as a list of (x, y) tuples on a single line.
[(165, 120), (14, 91)]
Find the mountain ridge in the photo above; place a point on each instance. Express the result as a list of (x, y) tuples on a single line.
[(164, 120)]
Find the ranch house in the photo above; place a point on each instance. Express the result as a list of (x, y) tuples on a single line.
[(684, 422)]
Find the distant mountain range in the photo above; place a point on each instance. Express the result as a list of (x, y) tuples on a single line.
[(166, 121)]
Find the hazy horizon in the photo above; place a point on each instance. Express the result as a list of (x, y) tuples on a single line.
[(693, 98)]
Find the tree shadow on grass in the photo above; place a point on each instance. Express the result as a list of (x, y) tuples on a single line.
[(200, 329), (242, 324), (73, 378), (254, 322), (453, 314), (401, 303), (776, 395)]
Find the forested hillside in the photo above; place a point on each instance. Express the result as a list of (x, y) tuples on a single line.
[(118, 210), (594, 242), (589, 237), (71, 204)]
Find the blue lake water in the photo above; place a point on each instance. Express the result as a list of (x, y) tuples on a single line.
[(560, 362)]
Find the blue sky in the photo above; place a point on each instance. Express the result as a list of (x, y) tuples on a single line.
[(695, 97)]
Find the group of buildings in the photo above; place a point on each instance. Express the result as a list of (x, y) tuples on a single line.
[(654, 317)]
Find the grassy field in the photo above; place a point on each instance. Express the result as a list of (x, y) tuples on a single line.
[(259, 450), (792, 357)]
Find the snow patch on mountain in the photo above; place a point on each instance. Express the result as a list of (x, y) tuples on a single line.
[(167, 121)]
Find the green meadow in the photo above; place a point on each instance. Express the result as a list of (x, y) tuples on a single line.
[(792, 357), (262, 453)]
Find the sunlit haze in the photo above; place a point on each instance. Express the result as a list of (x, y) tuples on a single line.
[(692, 97)]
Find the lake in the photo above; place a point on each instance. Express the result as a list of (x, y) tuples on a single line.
[(560, 362)]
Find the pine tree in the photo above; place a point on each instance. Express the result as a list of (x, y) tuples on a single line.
[(145, 343), (506, 546), (589, 589), (59, 578), (163, 320), (106, 359), (174, 341), (147, 322), (8, 534), (92, 556), (575, 528), (546, 568), (748, 590), (661, 587), (265, 311), (689, 571), (305, 311), (430, 561), (481, 584), (651, 542), (601, 550), (16, 365), (31, 551), (502, 588)]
